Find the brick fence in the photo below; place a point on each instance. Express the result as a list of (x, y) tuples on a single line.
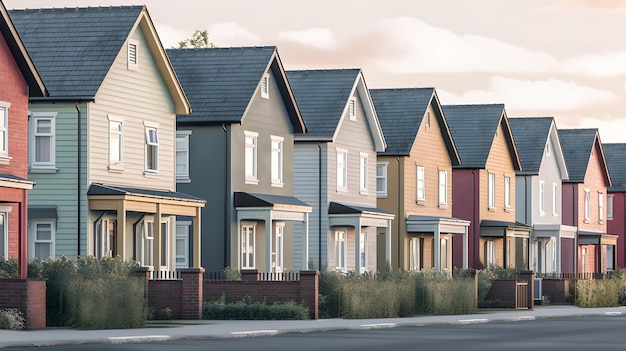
[(28, 296)]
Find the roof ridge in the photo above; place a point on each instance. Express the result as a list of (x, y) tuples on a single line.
[(78, 8)]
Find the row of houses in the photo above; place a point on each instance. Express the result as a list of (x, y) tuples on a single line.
[(112, 145)]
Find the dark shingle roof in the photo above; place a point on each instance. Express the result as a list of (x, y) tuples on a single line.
[(531, 135), (400, 112), (105, 189), (73, 48), (473, 128), (577, 145), (322, 96), (615, 155), (219, 82)]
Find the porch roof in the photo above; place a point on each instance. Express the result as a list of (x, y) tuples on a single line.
[(339, 208), (12, 181), (243, 199), (104, 189), (489, 223)]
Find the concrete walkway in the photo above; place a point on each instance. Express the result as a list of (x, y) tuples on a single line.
[(168, 330)]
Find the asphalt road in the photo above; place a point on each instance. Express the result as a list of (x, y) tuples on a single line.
[(572, 334)]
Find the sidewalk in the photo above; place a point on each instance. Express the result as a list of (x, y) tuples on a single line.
[(168, 330)]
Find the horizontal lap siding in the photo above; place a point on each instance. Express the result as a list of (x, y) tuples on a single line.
[(500, 163)]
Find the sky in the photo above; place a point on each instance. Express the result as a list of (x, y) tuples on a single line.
[(560, 58)]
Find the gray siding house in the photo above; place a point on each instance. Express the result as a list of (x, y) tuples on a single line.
[(539, 200), (335, 168), (102, 143), (236, 150)]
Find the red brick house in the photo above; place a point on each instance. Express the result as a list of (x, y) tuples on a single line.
[(18, 80)]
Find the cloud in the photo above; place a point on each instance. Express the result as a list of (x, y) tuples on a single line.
[(585, 6), (550, 94), (321, 38), (232, 34), (608, 64), (170, 36)]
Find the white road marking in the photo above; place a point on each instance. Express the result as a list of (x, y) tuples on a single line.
[(473, 321), (378, 325), (255, 332), (616, 313), (139, 338), (524, 318)]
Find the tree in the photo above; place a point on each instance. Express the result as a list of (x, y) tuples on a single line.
[(199, 39)]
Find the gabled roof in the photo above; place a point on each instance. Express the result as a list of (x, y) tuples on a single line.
[(577, 146), (323, 97), (74, 48), (473, 129), (615, 154), (531, 135), (400, 112), (8, 31), (221, 82)]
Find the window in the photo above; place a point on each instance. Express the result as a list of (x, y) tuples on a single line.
[(4, 236), (492, 190), (105, 240), (165, 247), (555, 199), (363, 179), (548, 148), (42, 130), (414, 254), (421, 191), (251, 139), (340, 250), (587, 204), (247, 246), (133, 59), (443, 256), (600, 207), (182, 155), (507, 192), (116, 143), (182, 244), (277, 160), (42, 242), (610, 257), (363, 252), (584, 259), (144, 242), (4, 128), (381, 179), (609, 206), (541, 197), (342, 170), (352, 110), (277, 254), (265, 86), (490, 254), (443, 187), (152, 150)]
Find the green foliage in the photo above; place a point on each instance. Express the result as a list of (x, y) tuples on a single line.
[(12, 319), (9, 268), (199, 39), (248, 309), (597, 293), (231, 274), (165, 313)]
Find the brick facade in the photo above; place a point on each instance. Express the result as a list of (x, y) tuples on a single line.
[(28, 296)]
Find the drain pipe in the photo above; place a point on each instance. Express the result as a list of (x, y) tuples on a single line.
[(78, 173), (319, 206)]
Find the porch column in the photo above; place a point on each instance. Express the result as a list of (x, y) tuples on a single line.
[(22, 241), (558, 253), (465, 249), (305, 245), (437, 253), (268, 242), (157, 239), (236, 241), (357, 247), (121, 230), (197, 248), (388, 243)]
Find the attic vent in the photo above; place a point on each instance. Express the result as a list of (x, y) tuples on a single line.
[(352, 110), (132, 55), (427, 120), (265, 86)]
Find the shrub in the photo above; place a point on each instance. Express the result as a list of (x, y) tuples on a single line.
[(165, 313), (8, 268), (597, 293), (231, 274), (12, 319), (247, 309)]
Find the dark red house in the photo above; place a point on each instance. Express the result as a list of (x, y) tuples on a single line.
[(616, 198)]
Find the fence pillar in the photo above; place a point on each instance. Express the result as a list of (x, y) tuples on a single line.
[(473, 273), (529, 276), (144, 273), (309, 291), (249, 275), (192, 292)]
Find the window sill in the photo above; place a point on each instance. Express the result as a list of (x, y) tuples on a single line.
[(277, 185), (5, 159), (116, 169), (150, 173), (363, 192), (491, 209), (420, 202), (443, 205), (43, 170), (381, 196), (183, 180), (342, 190), (508, 209), (252, 181)]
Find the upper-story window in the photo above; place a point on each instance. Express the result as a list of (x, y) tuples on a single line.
[(548, 149), (251, 142), (133, 55), (492, 190), (555, 199), (587, 204), (182, 155), (381, 179), (507, 192), (352, 110), (4, 128), (4, 236), (116, 143), (277, 160), (152, 149), (265, 86), (342, 170), (421, 188), (600, 207), (443, 187), (609, 206), (363, 179), (542, 197), (42, 140)]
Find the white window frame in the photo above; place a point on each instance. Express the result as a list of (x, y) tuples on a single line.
[(443, 254), (587, 204), (420, 183), (265, 86), (144, 241), (102, 235), (278, 152), (555, 199), (443, 188), (182, 156), (151, 143), (278, 254), (34, 240), (248, 234), (363, 173), (165, 244), (342, 170), (132, 54), (609, 206), (33, 135), (4, 129), (352, 109), (414, 254), (116, 163), (363, 252), (251, 142), (182, 236), (507, 192), (4, 234), (541, 197), (341, 250), (600, 206), (381, 178), (490, 254), (492, 191)]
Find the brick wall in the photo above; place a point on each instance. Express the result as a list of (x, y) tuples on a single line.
[(28, 296), (504, 291), (557, 289), (166, 293)]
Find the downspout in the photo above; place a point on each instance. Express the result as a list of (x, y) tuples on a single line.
[(319, 207), (575, 221), (400, 216), (78, 174), (475, 254), (227, 195)]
